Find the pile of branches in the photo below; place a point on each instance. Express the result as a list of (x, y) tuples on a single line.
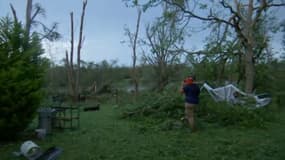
[(169, 107), (163, 105)]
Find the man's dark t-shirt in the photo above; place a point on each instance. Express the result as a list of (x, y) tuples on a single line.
[(191, 93)]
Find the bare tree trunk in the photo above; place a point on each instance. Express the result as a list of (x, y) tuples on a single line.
[(249, 70), (249, 45), (79, 48), (134, 70), (69, 63), (28, 16), (71, 42), (163, 73), (72, 78)]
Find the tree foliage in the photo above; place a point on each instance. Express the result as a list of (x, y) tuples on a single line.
[(21, 77), (165, 40), (245, 18)]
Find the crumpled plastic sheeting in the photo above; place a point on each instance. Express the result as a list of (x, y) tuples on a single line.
[(231, 94)]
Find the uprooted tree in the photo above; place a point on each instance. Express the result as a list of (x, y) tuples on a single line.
[(73, 72)]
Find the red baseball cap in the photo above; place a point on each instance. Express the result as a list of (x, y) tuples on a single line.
[(188, 80)]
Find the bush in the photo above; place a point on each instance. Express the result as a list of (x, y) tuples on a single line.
[(21, 77)]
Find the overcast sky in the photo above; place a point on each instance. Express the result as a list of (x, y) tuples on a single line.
[(103, 29)]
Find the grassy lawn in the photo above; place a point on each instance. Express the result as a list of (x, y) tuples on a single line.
[(103, 135)]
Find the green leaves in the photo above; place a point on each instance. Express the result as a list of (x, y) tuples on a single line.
[(21, 76), (165, 105)]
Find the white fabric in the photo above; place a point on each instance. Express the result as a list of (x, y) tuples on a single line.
[(231, 94)]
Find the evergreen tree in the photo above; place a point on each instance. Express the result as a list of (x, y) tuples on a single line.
[(21, 77)]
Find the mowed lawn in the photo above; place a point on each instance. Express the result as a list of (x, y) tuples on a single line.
[(103, 135)]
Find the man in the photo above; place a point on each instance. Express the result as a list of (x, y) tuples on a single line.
[(191, 92)]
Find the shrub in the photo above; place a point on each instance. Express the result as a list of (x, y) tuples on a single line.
[(21, 75)]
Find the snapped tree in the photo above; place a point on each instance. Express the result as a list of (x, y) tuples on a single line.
[(72, 74)]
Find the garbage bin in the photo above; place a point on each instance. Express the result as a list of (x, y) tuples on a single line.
[(46, 116)]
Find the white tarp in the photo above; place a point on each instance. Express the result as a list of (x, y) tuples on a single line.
[(232, 94)]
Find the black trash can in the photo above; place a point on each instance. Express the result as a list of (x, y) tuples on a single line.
[(46, 117)]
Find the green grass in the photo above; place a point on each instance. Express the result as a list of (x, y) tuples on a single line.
[(103, 135)]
